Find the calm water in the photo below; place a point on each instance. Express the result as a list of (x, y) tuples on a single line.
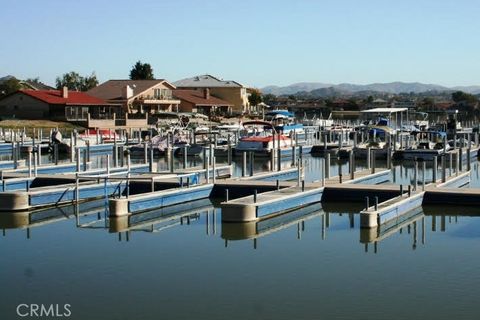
[(314, 263)]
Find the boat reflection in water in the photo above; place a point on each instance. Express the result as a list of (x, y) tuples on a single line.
[(256, 229)]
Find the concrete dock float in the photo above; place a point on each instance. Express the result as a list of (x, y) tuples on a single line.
[(60, 194), (151, 218), (265, 204), (157, 199), (261, 228)]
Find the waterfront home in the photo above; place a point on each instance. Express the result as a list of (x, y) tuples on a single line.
[(59, 105), (201, 102), (145, 97), (228, 90)]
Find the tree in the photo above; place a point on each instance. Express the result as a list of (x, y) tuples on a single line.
[(255, 97), (269, 98), (460, 96), (141, 71), (89, 82), (9, 86), (74, 81), (33, 80)]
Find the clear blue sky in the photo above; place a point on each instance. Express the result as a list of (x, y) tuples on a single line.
[(257, 42)]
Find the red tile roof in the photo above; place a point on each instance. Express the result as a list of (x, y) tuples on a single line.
[(197, 97), (55, 97)]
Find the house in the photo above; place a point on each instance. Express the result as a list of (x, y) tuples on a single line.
[(201, 102), (60, 105), (138, 96), (231, 91)]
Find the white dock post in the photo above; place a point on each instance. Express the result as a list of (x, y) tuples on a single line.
[(72, 148), (77, 159), (115, 151), (185, 155), (39, 153), (108, 165), (351, 165), (415, 175), (323, 172), (369, 157), (279, 155), (244, 163), (423, 175), (214, 168), (35, 163), (29, 150), (207, 172), (327, 166)]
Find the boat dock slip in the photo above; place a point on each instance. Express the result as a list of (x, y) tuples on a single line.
[(265, 204), (157, 199), (288, 174), (148, 219), (261, 228), (392, 209), (60, 194)]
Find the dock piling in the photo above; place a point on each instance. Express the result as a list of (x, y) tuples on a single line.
[(423, 175), (185, 155), (214, 160), (409, 190), (327, 166), (415, 175), (255, 196), (369, 154), (251, 160), (244, 163), (226, 195), (367, 203), (77, 159), (376, 203), (444, 169), (435, 168)]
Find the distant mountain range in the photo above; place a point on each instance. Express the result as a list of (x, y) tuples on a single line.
[(325, 89)]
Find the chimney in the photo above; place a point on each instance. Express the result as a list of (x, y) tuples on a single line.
[(206, 93), (65, 92), (127, 92)]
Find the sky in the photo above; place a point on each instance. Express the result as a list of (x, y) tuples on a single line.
[(255, 42)]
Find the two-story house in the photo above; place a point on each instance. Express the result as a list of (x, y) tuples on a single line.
[(230, 91), (138, 96)]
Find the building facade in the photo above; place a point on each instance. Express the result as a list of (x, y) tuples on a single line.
[(230, 91), (138, 96)]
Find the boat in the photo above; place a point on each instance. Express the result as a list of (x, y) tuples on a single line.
[(425, 149), (321, 123), (160, 145), (266, 140), (284, 123)]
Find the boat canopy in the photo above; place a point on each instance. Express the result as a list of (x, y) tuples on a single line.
[(257, 123), (285, 113), (385, 110)]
